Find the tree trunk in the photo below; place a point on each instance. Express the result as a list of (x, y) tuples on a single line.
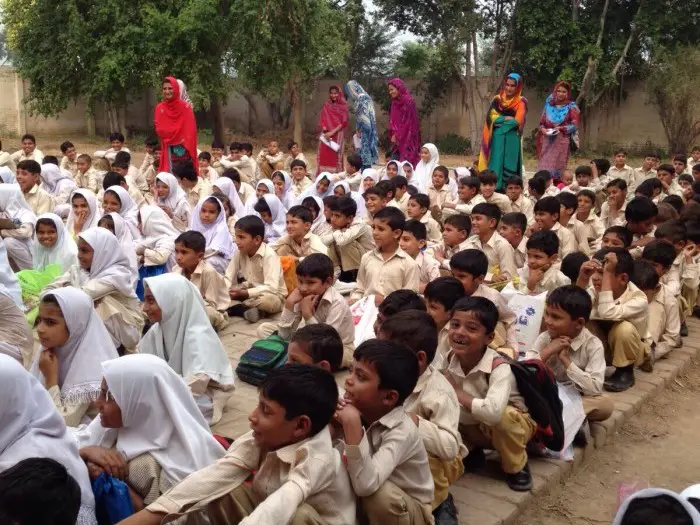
[(217, 117), (589, 75), (90, 120), (121, 121), (298, 112)]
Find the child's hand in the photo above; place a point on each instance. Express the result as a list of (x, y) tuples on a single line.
[(237, 294), (588, 269), (80, 220), (348, 415), (48, 364), (555, 347), (564, 357), (108, 459), (439, 254), (378, 298), (167, 210), (610, 263), (534, 277), (690, 251), (140, 250), (293, 298), (414, 418), (307, 305)]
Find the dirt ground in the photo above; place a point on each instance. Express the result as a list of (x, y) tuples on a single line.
[(657, 448)]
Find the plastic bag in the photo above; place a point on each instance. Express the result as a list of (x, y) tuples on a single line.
[(112, 499), (529, 310), (364, 313), (32, 283)]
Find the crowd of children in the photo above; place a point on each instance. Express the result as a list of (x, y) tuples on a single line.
[(107, 259)]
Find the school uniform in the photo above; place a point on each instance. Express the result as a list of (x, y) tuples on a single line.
[(551, 280), (380, 276), (200, 190), (639, 176), (310, 243), (401, 203), (245, 166), (289, 159), (110, 154), (147, 163), (499, 253), (448, 251), (246, 192), (355, 180), (347, 246), (465, 208), (39, 200), (625, 173), (567, 243), (506, 335), (433, 228), (580, 235), (594, 231), (212, 285), (664, 321), (210, 174), (673, 189), (87, 180), (299, 186), (6, 160), (69, 165), (501, 200), (429, 268), (609, 220), (438, 197), (139, 179), (268, 164), (20, 155), (520, 253), (523, 205)]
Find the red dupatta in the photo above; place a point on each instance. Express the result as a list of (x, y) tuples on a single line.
[(334, 114), (175, 125)]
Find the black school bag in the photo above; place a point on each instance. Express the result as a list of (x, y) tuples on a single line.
[(538, 387)]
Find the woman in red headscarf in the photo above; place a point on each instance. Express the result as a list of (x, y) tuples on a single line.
[(176, 126), (333, 121), (558, 125), (404, 124)]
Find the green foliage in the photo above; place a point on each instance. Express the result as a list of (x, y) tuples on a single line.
[(414, 60), (453, 144)]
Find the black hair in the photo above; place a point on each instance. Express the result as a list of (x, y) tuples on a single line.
[(417, 229), (106, 221), (545, 175), (675, 201), (262, 206), (640, 209), (548, 205), (462, 222), (647, 187), (490, 211), (115, 135), (400, 300), (322, 341), (123, 156), (568, 200), (619, 151), (488, 177), (66, 145), (625, 262), (483, 309), (388, 186), (414, 329), (346, 206), (31, 166), (573, 300), (603, 166), (544, 241), (246, 146), (316, 266), (121, 164), (193, 240), (659, 510), (301, 212), (586, 193), (514, 181), (471, 182), (185, 170), (50, 159), (623, 233), (680, 158), (696, 168), (396, 366), (687, 177), (39, 491), (400, 182), (235, 145), (379, 191), (303, 390), (110, 190), (583, 170), (252, 225), (394, 217), (515, 219), (28, 136), (45, 222), (536, 184), (445, 291), (668, 168), (644, 275), (617, 183), (443, 170), (232, 174), (355, 161), (215, 144), (297, 162), (291, 144), (422, 199), (204, 155), (692, 229), (412, 190), (571, 265), (672, 231), (112, 178), (472, 261)]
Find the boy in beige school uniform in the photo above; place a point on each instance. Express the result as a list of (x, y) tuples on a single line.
[(485, 218)]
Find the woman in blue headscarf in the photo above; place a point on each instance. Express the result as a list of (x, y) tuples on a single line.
[(366, 123), (558, 126)]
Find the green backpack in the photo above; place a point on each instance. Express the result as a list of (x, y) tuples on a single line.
[(265, 355)]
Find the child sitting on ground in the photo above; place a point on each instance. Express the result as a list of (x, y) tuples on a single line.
[(568, 204), (70, 158), (542, 274), (172, 199), (438, 191), (455, 238), (401, 194), (512, 228), (29, 180), (318, 345), (206, 171), (413, 241), (518, 202), (612, 212), (195, 187), (255, 277), (300, 181), (493, 414), (353, 172), (270, 159), (592, 224), (299, 241), (547, 211), (616, 237), (440, 297), (485, 218), (397, 301), (209, 218), (488, 180), (375, 201), (387, 461), (85, 176), (293, 153), (640, 215), (620, 169), (189, 254), (468, 197)]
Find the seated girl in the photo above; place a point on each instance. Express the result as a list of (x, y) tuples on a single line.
[(30, 427), (156, 249), (105, 275), (172, 199), (228, 188), (114, 223), (117, 199), (320, 225), (342, 189), (183, 336), (274, 216), (83, 212), (231, 216), (59, 184), (370, 177), (390, 171), (322, 187), (263, 187), (283, 185), (17, 228), (209, 219), (74, 342), (52, 244), (8, 279), (16, 338)]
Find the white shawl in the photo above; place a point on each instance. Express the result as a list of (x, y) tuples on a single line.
[(216, 234), (359, 200), (13, 206), (287, 198), (8, 279), (227, 187), (64, 252), (129, 211), (109, 262), (423, 174), (369, 173), (158, 232), (250, 205), (94, 216), (7, 176), (176, 195), (278, 227), (312, 191), (126, 240)]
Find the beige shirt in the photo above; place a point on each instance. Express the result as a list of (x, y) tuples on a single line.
[(665, 320), (433, 227), (246, 192), (567, 243), (311, 243), (147, 163), (640, 176), (523, 205), (625, 173), (682, 275), (579, 232), (631, 306), (310, 471), (72, 415), (68, 165), (551, 280), (594, 229), (299, 186), (262, 273), (87, 180), (499, 253), (448, 251), (438, 197), (347, 246), (246, 167), (500, 200), (435, 403), (288, 159), (139, 179), (401, 203), (505, 314), (493, 389), (380, 276), (391, 450), (520, 253), (210, 283), (200, 190), (19, 156), (465, 208), (612, 220), (39, 201), (429, 268)]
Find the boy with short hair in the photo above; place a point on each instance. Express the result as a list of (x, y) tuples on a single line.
[(350, 239), (318, 345), (573, 354), (299, 242), (455, 237), (293, 153), (419, 208), (196, 187), (619, 316), (667, 175), (298, 477), (116, 141), (547, 212), (69, 159), (550, 189), (238, 160), (133, 176), (612, 211), (245, 190), (488, 180), (468, 197), (28, 151), (387, 461), (440, 297), (535, 189), (512, 228), (189, 255), (375, 201), (413, 241), (616, 237), (646, 170), (300, 181), (85, 176), (270, 159), (387, 267), (206, 171), (493, 413), (485, 218), (29, 179), (620, 169), (151, 160), (262, 290), (542, 274), (438, 191), (352, 173), (217, 153), (568, 204), (397, 301), (694, 158), (401, 194), (518, 202), (640, 215), (585, 213)]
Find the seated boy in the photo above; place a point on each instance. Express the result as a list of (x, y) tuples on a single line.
[(620, 314), (500, 253), (315, 300), (584, 180), (70, 158), (571, 351), (350, 239), (189, 254), (387, 461), (455, 237), (419, 209), (401, 194), (616, 237), (542, 274), (571, 265), (440, 297), (568, 204), (640, 215), (241, 162), (85, 176), (206, 171), (493, 414), (293, 153), (300, 181), (29, 179), (254, 274), (116, 141), (488, 180), (397, 301), (318, 345), (387, 267), (299, 241), (433, 405), (352, 173), (195, 187), (298, 477), (592, 225), (28, 151), (547, 211), (470, 267), (133, 175), (550, 189), (664, 316), (518, 202), (620, 170), (438, 191), (413, 241), (512, 228), (270, 159), (646, 171), (468, 197), (375, 201), (535, 189), (612, 212)]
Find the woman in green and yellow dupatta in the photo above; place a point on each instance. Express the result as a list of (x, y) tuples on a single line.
[(501, 150)]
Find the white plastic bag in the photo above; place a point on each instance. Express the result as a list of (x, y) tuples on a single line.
[(529, 310), (364, 314)]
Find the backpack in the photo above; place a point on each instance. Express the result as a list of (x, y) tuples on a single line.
[(538, 387), (265, 355)]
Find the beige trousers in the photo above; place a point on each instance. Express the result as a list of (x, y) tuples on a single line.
[(622, 342), (217, 319), (267, 169), (598, 408), (390, 505), (445, 473), (268, 303)]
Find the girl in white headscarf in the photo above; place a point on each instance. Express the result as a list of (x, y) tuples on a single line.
[(6, 176), (370, 177), (209, 219), (59, 184), (172, 199), (320, 225), (423, 174), (322, 187), (274, 216), (117, 199), (342, 189), (19, 229), (226, 186), (148, 415), (391, 170), (183, 336), (263, 187), (84, 213), (52, 244), (30, 427), (117, 225), (283, 185)]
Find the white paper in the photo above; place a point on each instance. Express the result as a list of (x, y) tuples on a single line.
[(357, 141), (330, 143)]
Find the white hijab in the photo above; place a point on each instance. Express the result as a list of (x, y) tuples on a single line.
[(216, 234), (7, 176), (13, 205), (320, 219), (359, 200), (288, 198), (311, 191), (129, 211), (94, 216), (398, 165), (229, 189), (158, 232), (109, 262), (372, 174), (64, 252), (423, 174), (250, 205), (54, 177), (126, 239), (159, 416), (693, 513), (176, 195), (184, 337), (278, 227), (30, 427), (8, 279)]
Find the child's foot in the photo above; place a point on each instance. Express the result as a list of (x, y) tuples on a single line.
[(649, 361), (475, 460), (237, 310), (252, 315), (621, 380), (446, 512), (684, 330), (520, 481), (583, 435)]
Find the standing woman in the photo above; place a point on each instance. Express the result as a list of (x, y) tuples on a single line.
[(366, 124), (176, 126), (558, 124), (501, 150), (333, 121), (404, 125)]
